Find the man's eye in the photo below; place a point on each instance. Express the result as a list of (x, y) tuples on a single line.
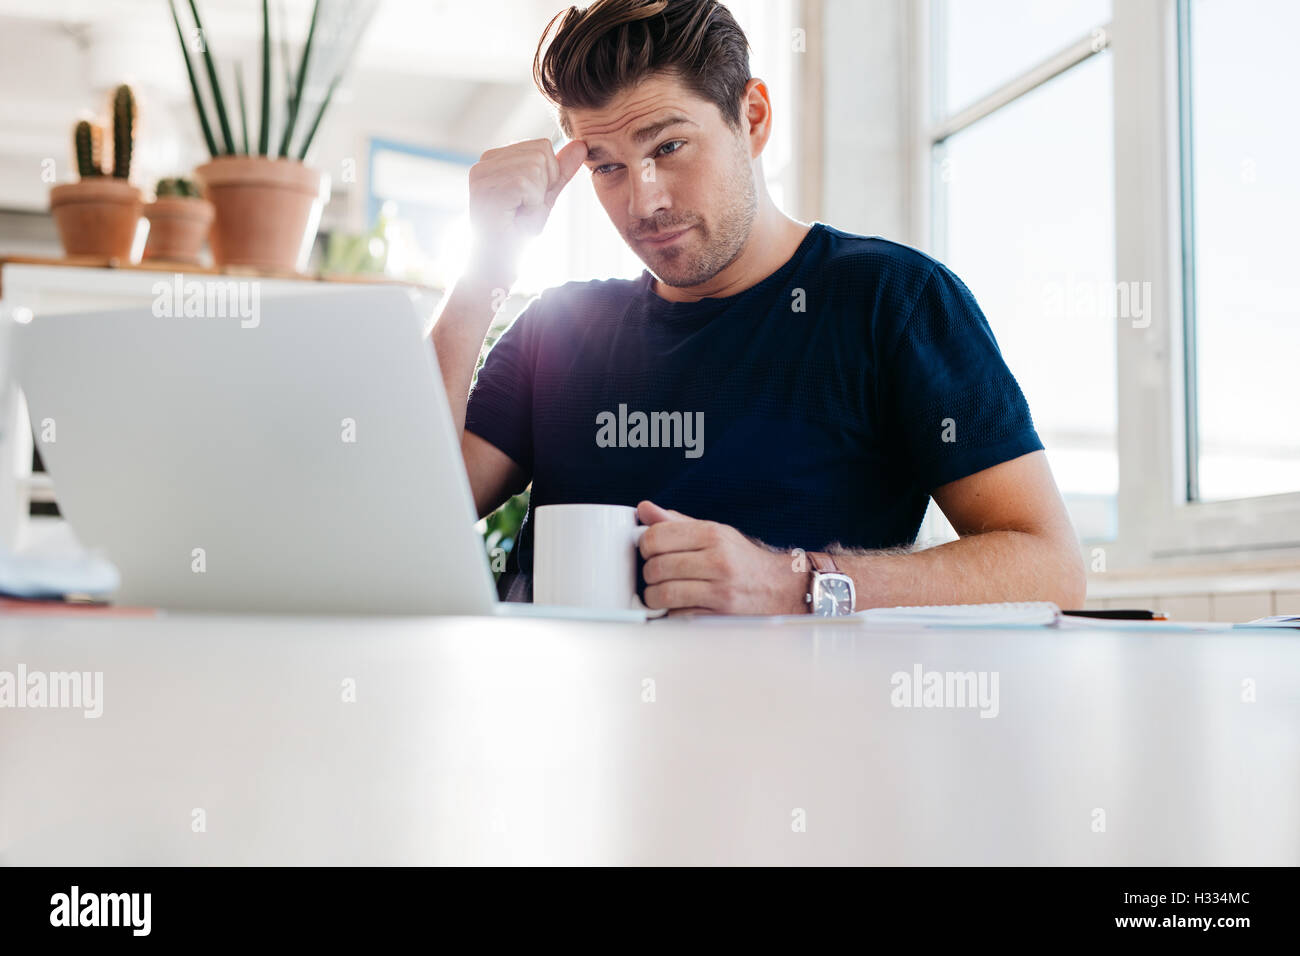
[(676, 144), (606, 169)]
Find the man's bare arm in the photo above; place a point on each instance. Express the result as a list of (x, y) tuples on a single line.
[(512, 191), (1017, 544), (458, 338), (493, 475), (458, 335)]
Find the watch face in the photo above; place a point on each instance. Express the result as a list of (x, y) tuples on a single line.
[(833, 597)]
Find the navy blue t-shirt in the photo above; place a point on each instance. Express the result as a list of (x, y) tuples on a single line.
[(820, 406)]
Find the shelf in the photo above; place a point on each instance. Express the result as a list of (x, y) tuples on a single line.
[(94, 262)]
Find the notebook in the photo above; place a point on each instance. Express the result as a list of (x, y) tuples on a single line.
[(1007, 614), (1029, 614), (1011, 614)]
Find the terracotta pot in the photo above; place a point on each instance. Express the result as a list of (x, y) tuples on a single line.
[(178, 227), (267, 211), (97, 216)]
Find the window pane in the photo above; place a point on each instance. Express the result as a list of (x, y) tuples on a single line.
[(988, 42), (1028, 198), (1246, 198)]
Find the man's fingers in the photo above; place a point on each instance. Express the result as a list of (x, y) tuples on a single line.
[(679, 535), (552, 165), (680, 565), (508, 186), (669, 536), (650, 513), (522, 181), (567, 162), (570, 159), (682, 594), (512, 189)]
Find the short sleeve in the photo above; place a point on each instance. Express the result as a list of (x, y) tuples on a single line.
[(500, 408), (952, 404)]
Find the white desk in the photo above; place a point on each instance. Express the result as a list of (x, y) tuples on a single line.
[(494, 741)]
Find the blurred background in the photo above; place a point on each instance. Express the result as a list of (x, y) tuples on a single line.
[(1111, 179)]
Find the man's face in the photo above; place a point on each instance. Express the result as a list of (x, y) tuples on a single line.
[(666, 166)]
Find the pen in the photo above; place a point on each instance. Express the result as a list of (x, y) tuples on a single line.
[(1121, 615)]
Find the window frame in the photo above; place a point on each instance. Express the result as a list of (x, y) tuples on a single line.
[(1158, 524), (1155, 371)]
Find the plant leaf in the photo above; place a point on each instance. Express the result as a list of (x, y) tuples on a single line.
[(284, 49), (264, 134), (311, 132), (302, 79), (243, 110), (217, 99), (194, 83)]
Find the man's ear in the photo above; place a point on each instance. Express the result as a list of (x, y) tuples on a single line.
[(756, 115)]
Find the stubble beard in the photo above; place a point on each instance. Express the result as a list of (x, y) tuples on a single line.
[(707, 251)]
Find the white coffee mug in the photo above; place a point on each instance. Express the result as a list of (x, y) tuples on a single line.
[(585, 556)]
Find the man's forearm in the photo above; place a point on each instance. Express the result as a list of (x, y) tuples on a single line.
[(459, 332), (975, 569), (511, 192)]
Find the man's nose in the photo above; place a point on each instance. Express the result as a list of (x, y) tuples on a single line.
[(647, 194)]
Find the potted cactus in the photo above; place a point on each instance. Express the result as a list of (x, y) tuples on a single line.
[(98, 215), (267, 201), (179, 219)]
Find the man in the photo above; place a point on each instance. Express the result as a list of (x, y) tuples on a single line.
[(843, 380)]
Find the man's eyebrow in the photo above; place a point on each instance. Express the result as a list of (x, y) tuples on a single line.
[(654, 129), (596, 153)]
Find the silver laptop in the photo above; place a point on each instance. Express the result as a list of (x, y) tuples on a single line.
[(303, 462)]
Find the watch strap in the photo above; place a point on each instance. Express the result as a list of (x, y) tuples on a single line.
[(822, 562)]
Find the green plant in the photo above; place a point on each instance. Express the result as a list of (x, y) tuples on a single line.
[(243, 110), (295, 99), (354, 254), (87, 144), (502, 526), (88, 138), (123, 131), (194, 84), (295, 86), (176, 186)]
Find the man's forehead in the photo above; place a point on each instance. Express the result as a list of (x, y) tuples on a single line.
[(644, 107), (643, 130)]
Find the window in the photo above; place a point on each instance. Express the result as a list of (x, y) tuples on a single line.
[(1023, 211), (1241, 202), (1113, 182), (985, 44)]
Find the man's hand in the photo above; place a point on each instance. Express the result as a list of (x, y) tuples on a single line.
[(511, 192), (707, 567)]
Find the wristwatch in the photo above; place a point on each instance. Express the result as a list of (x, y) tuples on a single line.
[(830, 591)]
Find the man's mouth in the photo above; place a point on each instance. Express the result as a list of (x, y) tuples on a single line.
[(661, 239)]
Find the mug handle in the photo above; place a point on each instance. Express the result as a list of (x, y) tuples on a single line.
[(637, 532)]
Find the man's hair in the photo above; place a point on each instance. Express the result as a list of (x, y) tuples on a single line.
[(601, 51)]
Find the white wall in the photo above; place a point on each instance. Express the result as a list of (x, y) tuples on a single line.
[(59, 65), (867, 187)]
